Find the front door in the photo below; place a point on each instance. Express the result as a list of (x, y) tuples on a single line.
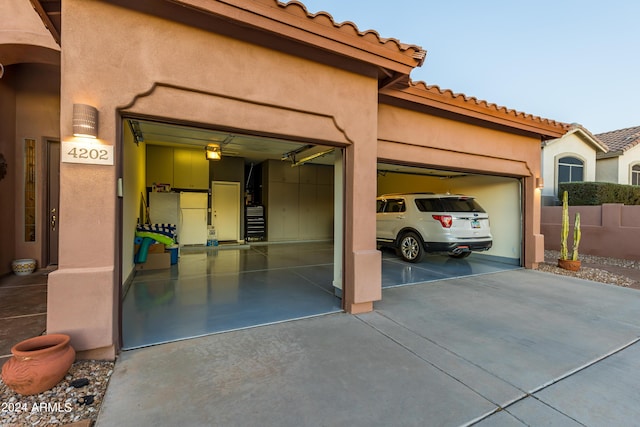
[(53, 199)]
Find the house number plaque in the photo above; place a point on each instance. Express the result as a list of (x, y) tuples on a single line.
[(87, 153)]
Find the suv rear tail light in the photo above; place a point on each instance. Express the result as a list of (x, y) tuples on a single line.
[(445, 220)]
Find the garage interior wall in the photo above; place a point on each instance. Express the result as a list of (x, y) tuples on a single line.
[(133, 185), (499, 196), (298, 201)]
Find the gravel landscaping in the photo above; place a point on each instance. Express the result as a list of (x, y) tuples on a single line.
[(64, 403), (613, 271)]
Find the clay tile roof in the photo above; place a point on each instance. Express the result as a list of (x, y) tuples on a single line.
[(494, 108), (323, 18), (622, 139)]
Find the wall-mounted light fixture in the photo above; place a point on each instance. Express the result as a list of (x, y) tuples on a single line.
[(539, 182), (212, 152), (85, 121)]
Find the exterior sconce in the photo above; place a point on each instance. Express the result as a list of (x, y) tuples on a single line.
[(85, 121), (539, 182), (212, 152)]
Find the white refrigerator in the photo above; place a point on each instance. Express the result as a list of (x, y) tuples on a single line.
[(164, 208), (192, 228)]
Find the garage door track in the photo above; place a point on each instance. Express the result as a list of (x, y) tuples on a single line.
[(507, 349)]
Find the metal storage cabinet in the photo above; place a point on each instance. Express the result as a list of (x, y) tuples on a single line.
[(254, 223)]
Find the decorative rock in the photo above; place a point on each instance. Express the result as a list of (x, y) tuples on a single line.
[(80, 382)]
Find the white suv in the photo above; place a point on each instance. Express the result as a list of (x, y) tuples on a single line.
[(415, 223)]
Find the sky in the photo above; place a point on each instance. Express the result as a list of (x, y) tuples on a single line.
[(573, 61)]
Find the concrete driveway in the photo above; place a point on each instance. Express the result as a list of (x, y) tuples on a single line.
[(505, 349)]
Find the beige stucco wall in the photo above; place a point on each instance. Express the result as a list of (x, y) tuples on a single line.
[(607, 170), (626, 161), (7, 184), (499, 196), (569, 145), (617, 169), (206, 79), (29, 108), (413, 138), (23, 37), (37, 118)]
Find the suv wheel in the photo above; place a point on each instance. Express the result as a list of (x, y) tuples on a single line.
[(410, 247)]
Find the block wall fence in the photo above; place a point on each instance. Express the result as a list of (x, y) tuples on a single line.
[(610, 230)]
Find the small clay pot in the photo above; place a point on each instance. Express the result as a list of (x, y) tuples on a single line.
[(38, 364), (23, 267), (569, 264)]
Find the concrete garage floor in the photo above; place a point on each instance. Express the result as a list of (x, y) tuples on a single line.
[(213, 290), (513, 348)]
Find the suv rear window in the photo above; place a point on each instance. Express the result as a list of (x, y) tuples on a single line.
[(449, 204)]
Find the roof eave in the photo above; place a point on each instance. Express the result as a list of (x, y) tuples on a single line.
[(317, 30), (432, 98), (589, 138), (609, 155), (46, 17)]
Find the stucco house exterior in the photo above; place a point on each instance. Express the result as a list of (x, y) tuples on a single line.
[(570, 158), (621, 163), (257, 69)]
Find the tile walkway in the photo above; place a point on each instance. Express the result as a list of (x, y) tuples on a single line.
[(23, 309)]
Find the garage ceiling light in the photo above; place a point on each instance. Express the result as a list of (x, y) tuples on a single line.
[(212, 152)]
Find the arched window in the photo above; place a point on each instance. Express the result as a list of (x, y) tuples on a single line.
[(570, 169), (635, 175)]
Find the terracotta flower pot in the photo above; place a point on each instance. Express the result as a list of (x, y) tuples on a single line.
[(38, 363), (569, 264)]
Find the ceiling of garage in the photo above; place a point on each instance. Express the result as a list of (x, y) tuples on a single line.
[(255, 149)]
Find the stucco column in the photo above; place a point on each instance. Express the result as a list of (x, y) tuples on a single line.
[(82, 295), (534, 245), (363, 263)]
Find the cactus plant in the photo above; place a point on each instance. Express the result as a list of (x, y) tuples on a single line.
[(564, 261), (576, 237)]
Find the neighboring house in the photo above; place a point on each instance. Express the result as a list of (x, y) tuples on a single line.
[(257, 75), (571, 158), (621, 164)]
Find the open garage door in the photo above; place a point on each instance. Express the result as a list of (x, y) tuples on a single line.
[(253, 222), (500, 197)]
